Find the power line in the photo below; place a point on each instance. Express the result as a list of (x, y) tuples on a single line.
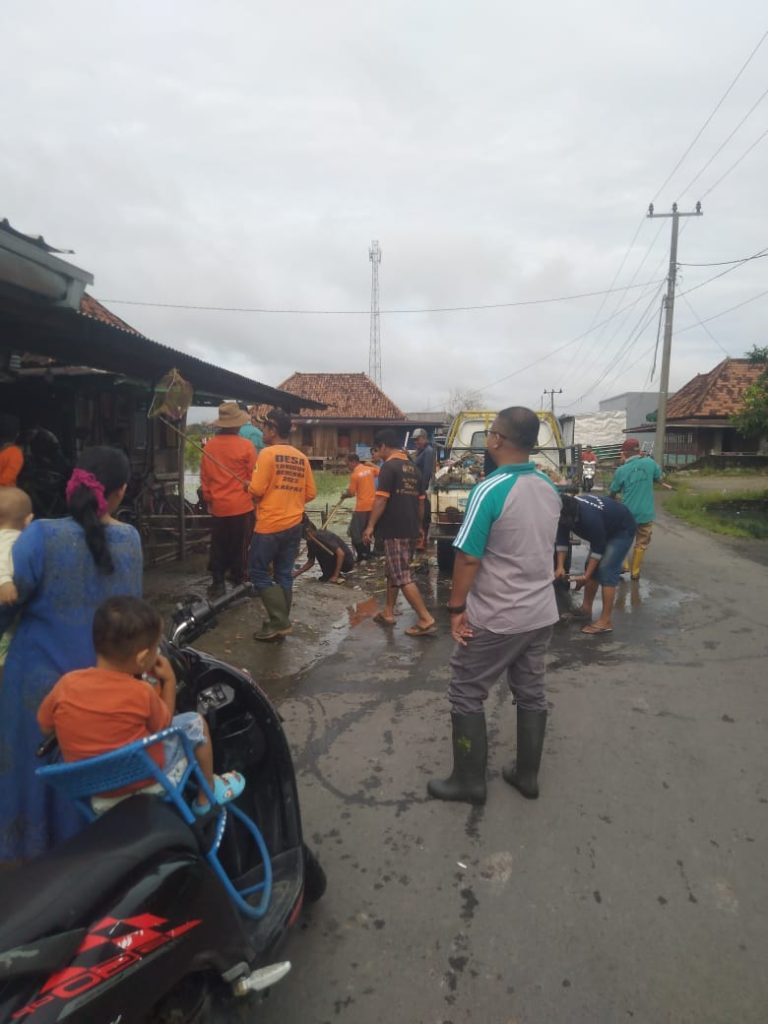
[(727, 263), (730, 309), (725, 142), (715, 277), (702, 324), (366, 312), (717, 106), (733, 166)]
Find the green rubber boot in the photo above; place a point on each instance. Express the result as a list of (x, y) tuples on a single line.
[(524, 773), (278, 623), (466, 782)]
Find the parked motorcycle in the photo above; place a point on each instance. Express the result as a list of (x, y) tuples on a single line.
[(587, 475), (127, 922)]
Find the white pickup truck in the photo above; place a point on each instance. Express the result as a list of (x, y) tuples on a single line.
[(464, 464)]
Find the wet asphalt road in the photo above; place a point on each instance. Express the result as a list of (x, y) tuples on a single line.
[(636, 888)]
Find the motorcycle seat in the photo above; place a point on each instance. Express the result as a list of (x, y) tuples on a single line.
[(60, 890)]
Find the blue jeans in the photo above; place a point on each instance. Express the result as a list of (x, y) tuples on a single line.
[(275, 550), (608, 571)]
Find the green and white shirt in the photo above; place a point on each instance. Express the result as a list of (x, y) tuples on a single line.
[(510, 525)]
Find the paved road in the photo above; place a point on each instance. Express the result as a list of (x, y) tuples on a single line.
[(636, 888)]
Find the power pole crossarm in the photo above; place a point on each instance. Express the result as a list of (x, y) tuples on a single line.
[(552, 392), (669, 312)]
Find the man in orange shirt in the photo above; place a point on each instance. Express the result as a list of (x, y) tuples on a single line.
[(225, 473), (11, 456), (361, 487), (282, 484)]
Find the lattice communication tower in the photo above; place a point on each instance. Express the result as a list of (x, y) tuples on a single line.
[(374, 350)]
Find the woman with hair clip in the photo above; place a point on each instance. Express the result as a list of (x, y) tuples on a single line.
[(63, 569)]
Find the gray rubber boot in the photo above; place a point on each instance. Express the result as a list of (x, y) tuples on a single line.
[(278, 624), (466, 782), (524, 773)]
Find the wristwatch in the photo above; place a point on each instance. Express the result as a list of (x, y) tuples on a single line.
[(456, 609)]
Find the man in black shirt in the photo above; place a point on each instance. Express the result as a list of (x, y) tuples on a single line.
[(397, 520), (329, 550)]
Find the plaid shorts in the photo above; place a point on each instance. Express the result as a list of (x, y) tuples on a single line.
[(398, 552)]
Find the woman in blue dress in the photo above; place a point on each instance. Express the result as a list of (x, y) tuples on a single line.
[(63, 569)]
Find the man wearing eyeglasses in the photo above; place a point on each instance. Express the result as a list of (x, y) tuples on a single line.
[(502, 608)]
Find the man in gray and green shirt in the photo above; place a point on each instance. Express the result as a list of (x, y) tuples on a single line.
[(502, 608)]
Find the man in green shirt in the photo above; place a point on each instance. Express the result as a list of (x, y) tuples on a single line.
[(634, 480)]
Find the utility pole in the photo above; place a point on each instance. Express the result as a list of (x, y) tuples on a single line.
[(374, 349), (552, 392), (669, 312)]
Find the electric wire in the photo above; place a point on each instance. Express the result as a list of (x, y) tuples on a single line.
[(717, 106), (733, 166), (723, 312), (724, 143), (703, 325), (366, 312), (727, 263)]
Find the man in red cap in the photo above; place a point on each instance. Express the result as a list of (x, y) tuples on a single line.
[(634, 480)]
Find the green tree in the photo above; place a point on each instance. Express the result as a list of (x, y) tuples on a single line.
[(752, 418)]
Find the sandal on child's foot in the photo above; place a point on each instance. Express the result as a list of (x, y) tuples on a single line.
[(226, 787)]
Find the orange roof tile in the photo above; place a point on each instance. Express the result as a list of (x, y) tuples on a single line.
[(717, 393), (348, 396), (93, 308)]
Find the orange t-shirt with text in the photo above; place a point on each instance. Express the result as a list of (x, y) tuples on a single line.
[(282, 484), (95, 710), (362, 483)]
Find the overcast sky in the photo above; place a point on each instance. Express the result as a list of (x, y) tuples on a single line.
[(245, 154)]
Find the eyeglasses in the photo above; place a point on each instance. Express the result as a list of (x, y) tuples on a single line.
[(497, 434)]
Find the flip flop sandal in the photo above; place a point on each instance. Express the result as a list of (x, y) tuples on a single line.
[(421, 630), (226, 787), (595, 630), (382, 621)]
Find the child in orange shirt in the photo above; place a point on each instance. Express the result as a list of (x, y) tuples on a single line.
[(96, 710)]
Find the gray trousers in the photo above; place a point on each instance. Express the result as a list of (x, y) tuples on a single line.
[(476, 667)]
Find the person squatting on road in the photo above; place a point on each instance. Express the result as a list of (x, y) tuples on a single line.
[(129, 695), (282, 484), (609, 528), (361, 487), (225, 472), (633, 480), (502, 608), (396, 519), (328, 549)]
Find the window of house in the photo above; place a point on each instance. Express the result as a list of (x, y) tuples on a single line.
[(306, 437)]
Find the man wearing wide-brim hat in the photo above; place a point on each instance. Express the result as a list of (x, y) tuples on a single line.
[(225, 471)]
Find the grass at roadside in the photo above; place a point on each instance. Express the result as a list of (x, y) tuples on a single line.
[(735, 513)]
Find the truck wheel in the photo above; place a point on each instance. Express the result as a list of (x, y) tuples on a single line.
[(446, 553), (315, 880)]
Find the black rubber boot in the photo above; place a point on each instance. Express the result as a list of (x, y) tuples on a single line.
[(524, 773), (278, 624), (470, 754)]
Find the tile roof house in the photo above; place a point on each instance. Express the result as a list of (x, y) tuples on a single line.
[(699, 414), (355, 409)]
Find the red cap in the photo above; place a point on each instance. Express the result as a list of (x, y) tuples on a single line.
[(630, 445)]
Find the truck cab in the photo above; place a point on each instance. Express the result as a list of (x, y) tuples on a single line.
[(463, 464)]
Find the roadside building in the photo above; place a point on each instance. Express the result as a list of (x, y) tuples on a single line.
[(355, 408), (699, 415), (71, 367)]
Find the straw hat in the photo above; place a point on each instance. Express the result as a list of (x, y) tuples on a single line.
[(230, 415)]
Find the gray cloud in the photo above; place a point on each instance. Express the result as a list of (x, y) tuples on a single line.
[(245, 155)]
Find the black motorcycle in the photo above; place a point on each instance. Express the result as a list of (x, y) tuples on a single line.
[(128, 922)]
